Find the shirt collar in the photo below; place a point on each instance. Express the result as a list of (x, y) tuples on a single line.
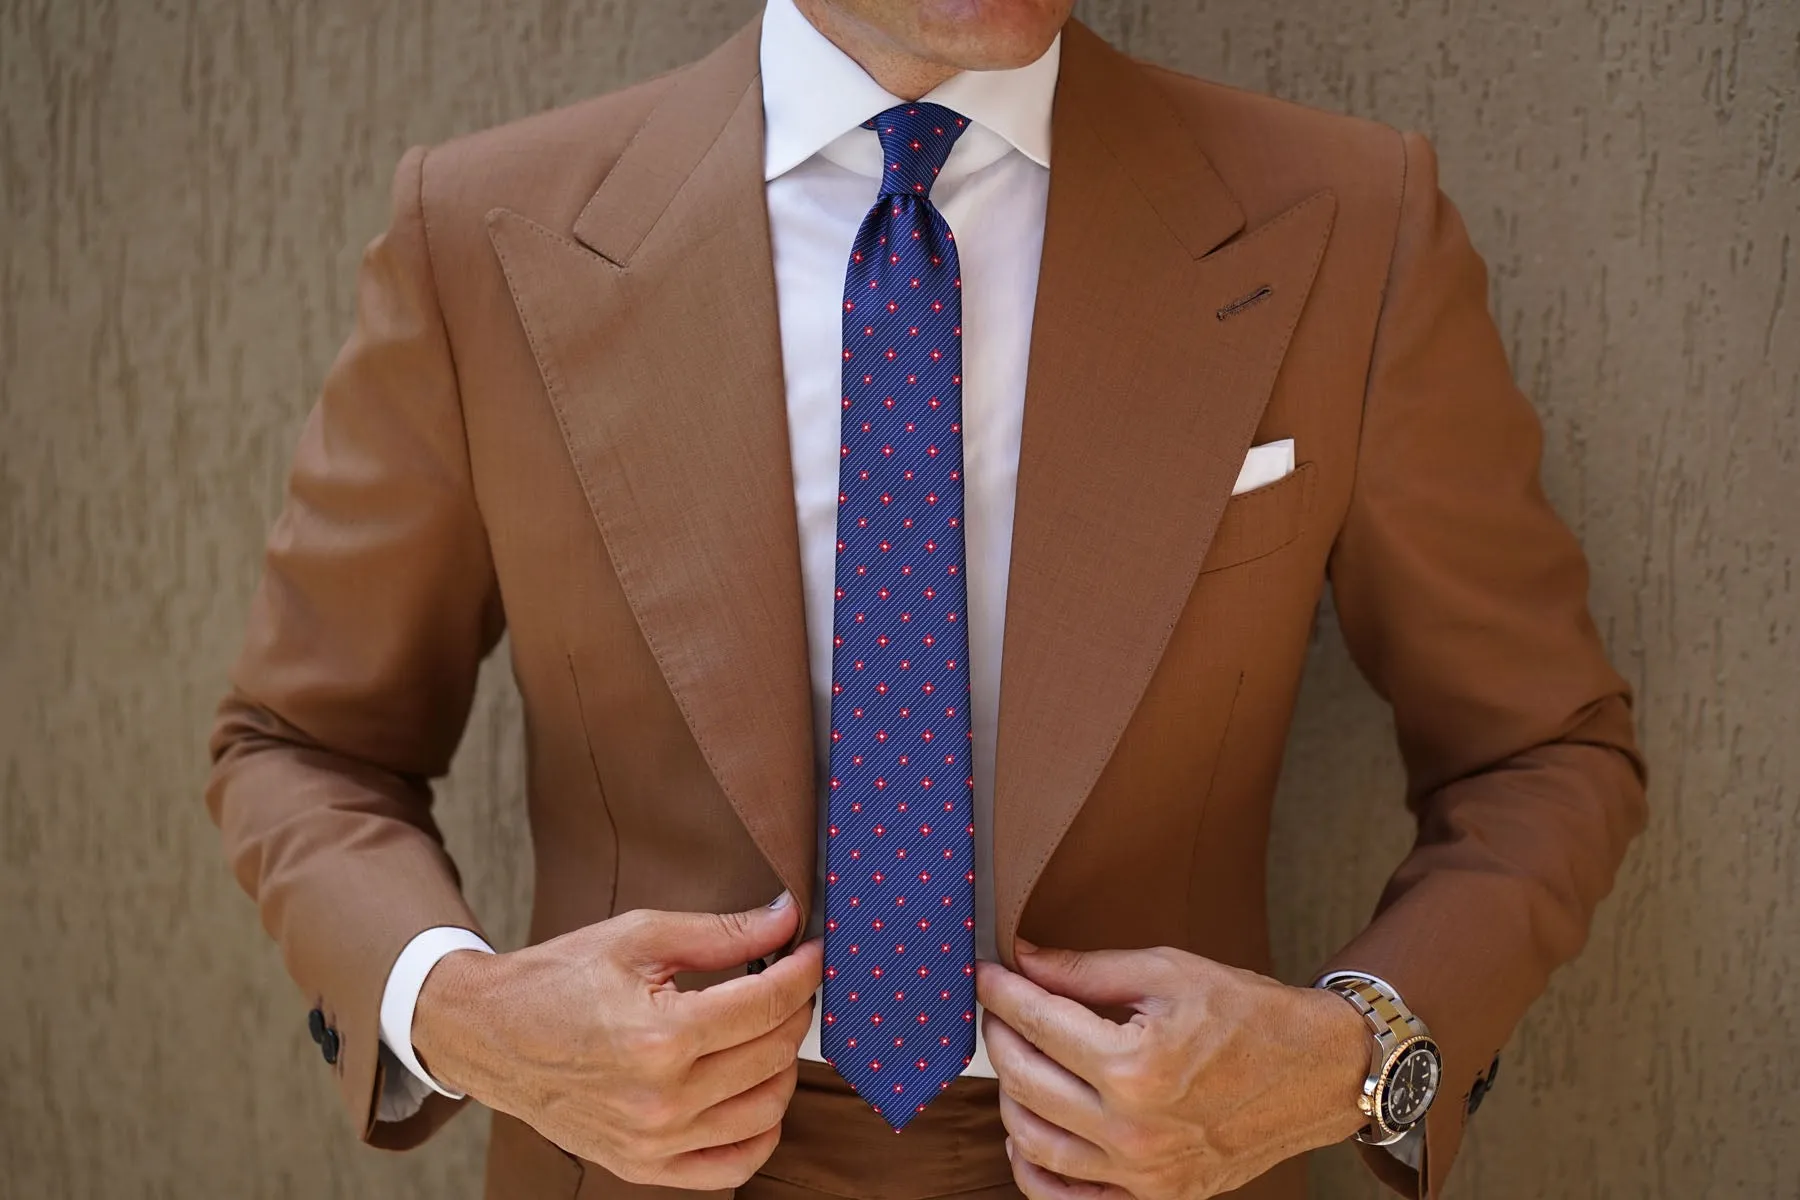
[(813, 93)]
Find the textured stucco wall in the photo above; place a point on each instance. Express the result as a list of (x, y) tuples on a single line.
[(186, 185)]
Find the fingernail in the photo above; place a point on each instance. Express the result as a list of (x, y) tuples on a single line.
[(782, 901), (1008, 1149), (1026, 947)]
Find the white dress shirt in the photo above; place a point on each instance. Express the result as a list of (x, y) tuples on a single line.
[(821, 173)]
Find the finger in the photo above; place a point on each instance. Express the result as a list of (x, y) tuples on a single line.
[(725, 1073), (1054, 1148), (718, 1168), (1064, 1029), (741, 1116), (1039, 1184), (742, 1009), (1041, 1084), (1101, 977), (662, 943)]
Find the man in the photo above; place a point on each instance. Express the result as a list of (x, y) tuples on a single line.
[(930, 381)]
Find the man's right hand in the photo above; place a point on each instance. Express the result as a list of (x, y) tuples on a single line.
[(586, 1039)]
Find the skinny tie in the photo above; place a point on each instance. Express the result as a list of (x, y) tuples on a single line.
[(899, 992)]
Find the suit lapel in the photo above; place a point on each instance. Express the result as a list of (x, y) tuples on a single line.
[(1140, 404), (655, 332)]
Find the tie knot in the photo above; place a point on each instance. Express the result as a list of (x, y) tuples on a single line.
[(915, 140)]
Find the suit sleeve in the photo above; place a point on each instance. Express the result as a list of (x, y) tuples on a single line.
[(1463, 599), (376, 605)]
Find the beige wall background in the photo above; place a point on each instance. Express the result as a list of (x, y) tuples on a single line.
[(186, 187)]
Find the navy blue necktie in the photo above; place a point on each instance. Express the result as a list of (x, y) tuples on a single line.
[(899, 995)]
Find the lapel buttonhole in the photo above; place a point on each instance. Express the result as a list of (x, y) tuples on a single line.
[(1239, 305)]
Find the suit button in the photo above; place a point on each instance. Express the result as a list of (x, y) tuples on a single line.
[(328, 1045), (315, 1025)]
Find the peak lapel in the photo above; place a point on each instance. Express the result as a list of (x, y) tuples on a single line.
[(655, 332), (1141, 402)]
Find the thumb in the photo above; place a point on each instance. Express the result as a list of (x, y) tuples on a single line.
[(666, 942), (1133, 978)]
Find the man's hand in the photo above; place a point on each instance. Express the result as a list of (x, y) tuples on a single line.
[(587, 1040), (1218, 1075)]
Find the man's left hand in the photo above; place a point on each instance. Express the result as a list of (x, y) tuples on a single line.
[(1218, 1074)]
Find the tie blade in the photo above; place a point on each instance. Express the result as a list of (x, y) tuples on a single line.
[(900, 1088)]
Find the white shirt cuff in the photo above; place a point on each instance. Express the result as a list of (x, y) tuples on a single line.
[(401, 996)]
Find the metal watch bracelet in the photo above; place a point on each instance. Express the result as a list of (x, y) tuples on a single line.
[(1397, 1033)]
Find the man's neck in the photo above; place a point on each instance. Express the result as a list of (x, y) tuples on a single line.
[(898, 71)]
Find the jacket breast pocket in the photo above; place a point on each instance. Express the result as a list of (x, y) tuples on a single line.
[(1258, 523)]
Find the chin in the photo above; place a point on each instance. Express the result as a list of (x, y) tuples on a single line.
[(979, 35)]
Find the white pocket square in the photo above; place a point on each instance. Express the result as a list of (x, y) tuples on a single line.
[(1264, 465)]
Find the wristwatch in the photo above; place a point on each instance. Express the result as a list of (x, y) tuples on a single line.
[(1404, 1066)]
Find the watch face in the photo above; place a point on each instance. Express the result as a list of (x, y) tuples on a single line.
[(1411, 1087)]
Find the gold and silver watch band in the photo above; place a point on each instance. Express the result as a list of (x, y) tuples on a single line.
[(1396, 1031)]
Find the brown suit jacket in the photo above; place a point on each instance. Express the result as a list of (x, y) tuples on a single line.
[(561, 415)]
